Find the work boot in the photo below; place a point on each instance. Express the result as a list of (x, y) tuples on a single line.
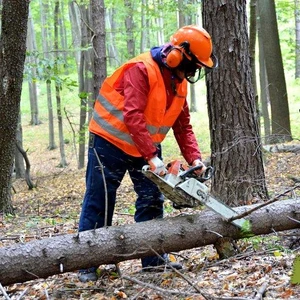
[(88, 275)]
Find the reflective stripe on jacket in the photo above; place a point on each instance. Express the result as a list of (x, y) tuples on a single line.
[(108, 122)]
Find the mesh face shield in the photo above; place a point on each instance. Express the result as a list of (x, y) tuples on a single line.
[(195, 70)]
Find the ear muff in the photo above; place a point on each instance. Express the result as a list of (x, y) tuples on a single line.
[(174, 57)]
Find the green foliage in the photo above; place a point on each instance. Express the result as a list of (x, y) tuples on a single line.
[(266, 242), (295, 278), (286, 23), (246, 230)]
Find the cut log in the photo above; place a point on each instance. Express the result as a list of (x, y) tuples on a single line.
[(42, 258), (279, 148)]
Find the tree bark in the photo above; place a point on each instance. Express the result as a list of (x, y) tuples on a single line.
[(42, 258), (235, 142), (48, 58), (63, 161), (19, 161), (99, 49), (32, 62), (297, 50), (14, 19), (280, 117)]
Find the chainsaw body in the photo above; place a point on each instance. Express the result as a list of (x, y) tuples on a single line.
[(185, 189)]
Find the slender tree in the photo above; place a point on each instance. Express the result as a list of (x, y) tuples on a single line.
[(74, 15), (280, 118), (32, 76), (85, 78), (14, 19), (98, 42), (297, 23), (44, 13), (235, 142), (129, 25), (252, 44), (19, 161), (58, 87), (264, 91)]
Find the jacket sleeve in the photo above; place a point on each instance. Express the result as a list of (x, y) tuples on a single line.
[(136, 88), (185, 136)]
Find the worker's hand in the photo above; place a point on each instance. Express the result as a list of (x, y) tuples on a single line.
[(157, 166), (200, 171)]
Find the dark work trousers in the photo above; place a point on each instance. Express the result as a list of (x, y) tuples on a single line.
[(149, 203)]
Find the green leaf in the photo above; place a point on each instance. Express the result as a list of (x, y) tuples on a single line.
[(295, 278), (246, 230)]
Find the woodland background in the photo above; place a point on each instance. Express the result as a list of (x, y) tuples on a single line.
[(56, 151)]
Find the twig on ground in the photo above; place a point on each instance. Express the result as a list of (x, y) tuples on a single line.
[(181, 275), (154, 287), (82, 289), (231, 298), (261, 291), (22, 294), (119, 273), (4, 292), (248, 212)]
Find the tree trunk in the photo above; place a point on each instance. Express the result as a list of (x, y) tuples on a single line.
[(100, 73), (63, 34), (280, 118), (144, 24), (74, 15), (42, 258), (111, 29), (252, 42), (159, 22), (19, 161), (297, 50), (32, 76), (44, 11), (129, 25), (85, 85), (235, 142), (264, 91), (63, 162), (14, 19)]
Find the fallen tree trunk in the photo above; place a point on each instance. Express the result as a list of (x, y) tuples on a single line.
[(282, 148), (42, 258)]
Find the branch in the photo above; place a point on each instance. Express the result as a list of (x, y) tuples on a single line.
[(29, 182), (73, 133), (261, 291), (248, 212), (4, 292), (154, 287), (180, 274)]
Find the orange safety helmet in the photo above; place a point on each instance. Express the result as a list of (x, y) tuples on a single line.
[(191, 41)]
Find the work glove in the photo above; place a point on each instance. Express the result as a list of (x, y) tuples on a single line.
[(200, 171), (157, 166)]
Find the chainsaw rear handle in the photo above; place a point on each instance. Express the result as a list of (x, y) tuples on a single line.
[(191, 173)]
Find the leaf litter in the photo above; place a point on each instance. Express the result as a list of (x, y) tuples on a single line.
[(53, 208)]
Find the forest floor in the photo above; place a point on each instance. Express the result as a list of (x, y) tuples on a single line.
[(53, 207)]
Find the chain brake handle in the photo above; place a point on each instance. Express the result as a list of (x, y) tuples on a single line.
[(191, 173)]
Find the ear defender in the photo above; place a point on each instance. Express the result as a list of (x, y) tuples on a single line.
[(174, 57)]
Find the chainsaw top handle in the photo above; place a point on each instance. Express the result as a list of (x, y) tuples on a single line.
[(191, 173)]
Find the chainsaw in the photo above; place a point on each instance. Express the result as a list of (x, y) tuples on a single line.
[(185, 188)]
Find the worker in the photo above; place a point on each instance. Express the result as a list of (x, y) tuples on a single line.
[(135, 108)]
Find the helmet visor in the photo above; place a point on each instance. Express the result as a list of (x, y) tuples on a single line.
[(199, 74), (211, 64)]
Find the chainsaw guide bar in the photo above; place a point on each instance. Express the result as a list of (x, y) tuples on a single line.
[(185, 189)]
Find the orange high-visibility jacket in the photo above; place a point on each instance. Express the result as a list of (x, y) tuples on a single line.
[(108, 122)]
